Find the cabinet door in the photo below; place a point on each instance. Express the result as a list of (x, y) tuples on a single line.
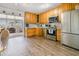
[(30, 32), (43, 19), (34, 18), (66, 22), (30, 18), (27, 17), (75, 22), (39, 32)]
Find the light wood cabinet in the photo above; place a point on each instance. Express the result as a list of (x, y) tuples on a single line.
[(43, 19), (27, 17), (30, 18), (30, 32), (39, 32), (25, 32), (34, 18), (40, 19), (58, 34)]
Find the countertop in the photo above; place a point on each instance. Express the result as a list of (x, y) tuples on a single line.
[(36, 27)]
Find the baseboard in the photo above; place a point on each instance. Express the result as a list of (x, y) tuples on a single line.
[(71, 47)]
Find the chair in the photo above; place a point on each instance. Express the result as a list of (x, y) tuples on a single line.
[(1, 48), (4, 38)]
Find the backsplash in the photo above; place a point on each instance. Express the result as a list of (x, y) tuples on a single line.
[(36, 26)]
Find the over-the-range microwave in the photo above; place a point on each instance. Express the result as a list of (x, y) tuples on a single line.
[(53, 19)]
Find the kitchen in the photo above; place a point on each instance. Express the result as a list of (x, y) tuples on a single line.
[(51, 29), (63, 18)]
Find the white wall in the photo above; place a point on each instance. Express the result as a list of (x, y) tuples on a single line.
[(7, 17), (9, 11)]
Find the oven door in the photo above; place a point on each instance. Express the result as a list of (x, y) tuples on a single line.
[(51, 31)]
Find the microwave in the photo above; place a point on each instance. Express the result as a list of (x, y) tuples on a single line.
[(53, 19)]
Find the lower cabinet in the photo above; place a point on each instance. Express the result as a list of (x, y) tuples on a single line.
[(31, 32), (39, 32), (71, 40)]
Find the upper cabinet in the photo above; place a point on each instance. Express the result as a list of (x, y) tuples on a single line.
[(33, 18), (30, 18), (43, 19)]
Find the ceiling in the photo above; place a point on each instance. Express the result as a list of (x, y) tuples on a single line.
[(30, 7)]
